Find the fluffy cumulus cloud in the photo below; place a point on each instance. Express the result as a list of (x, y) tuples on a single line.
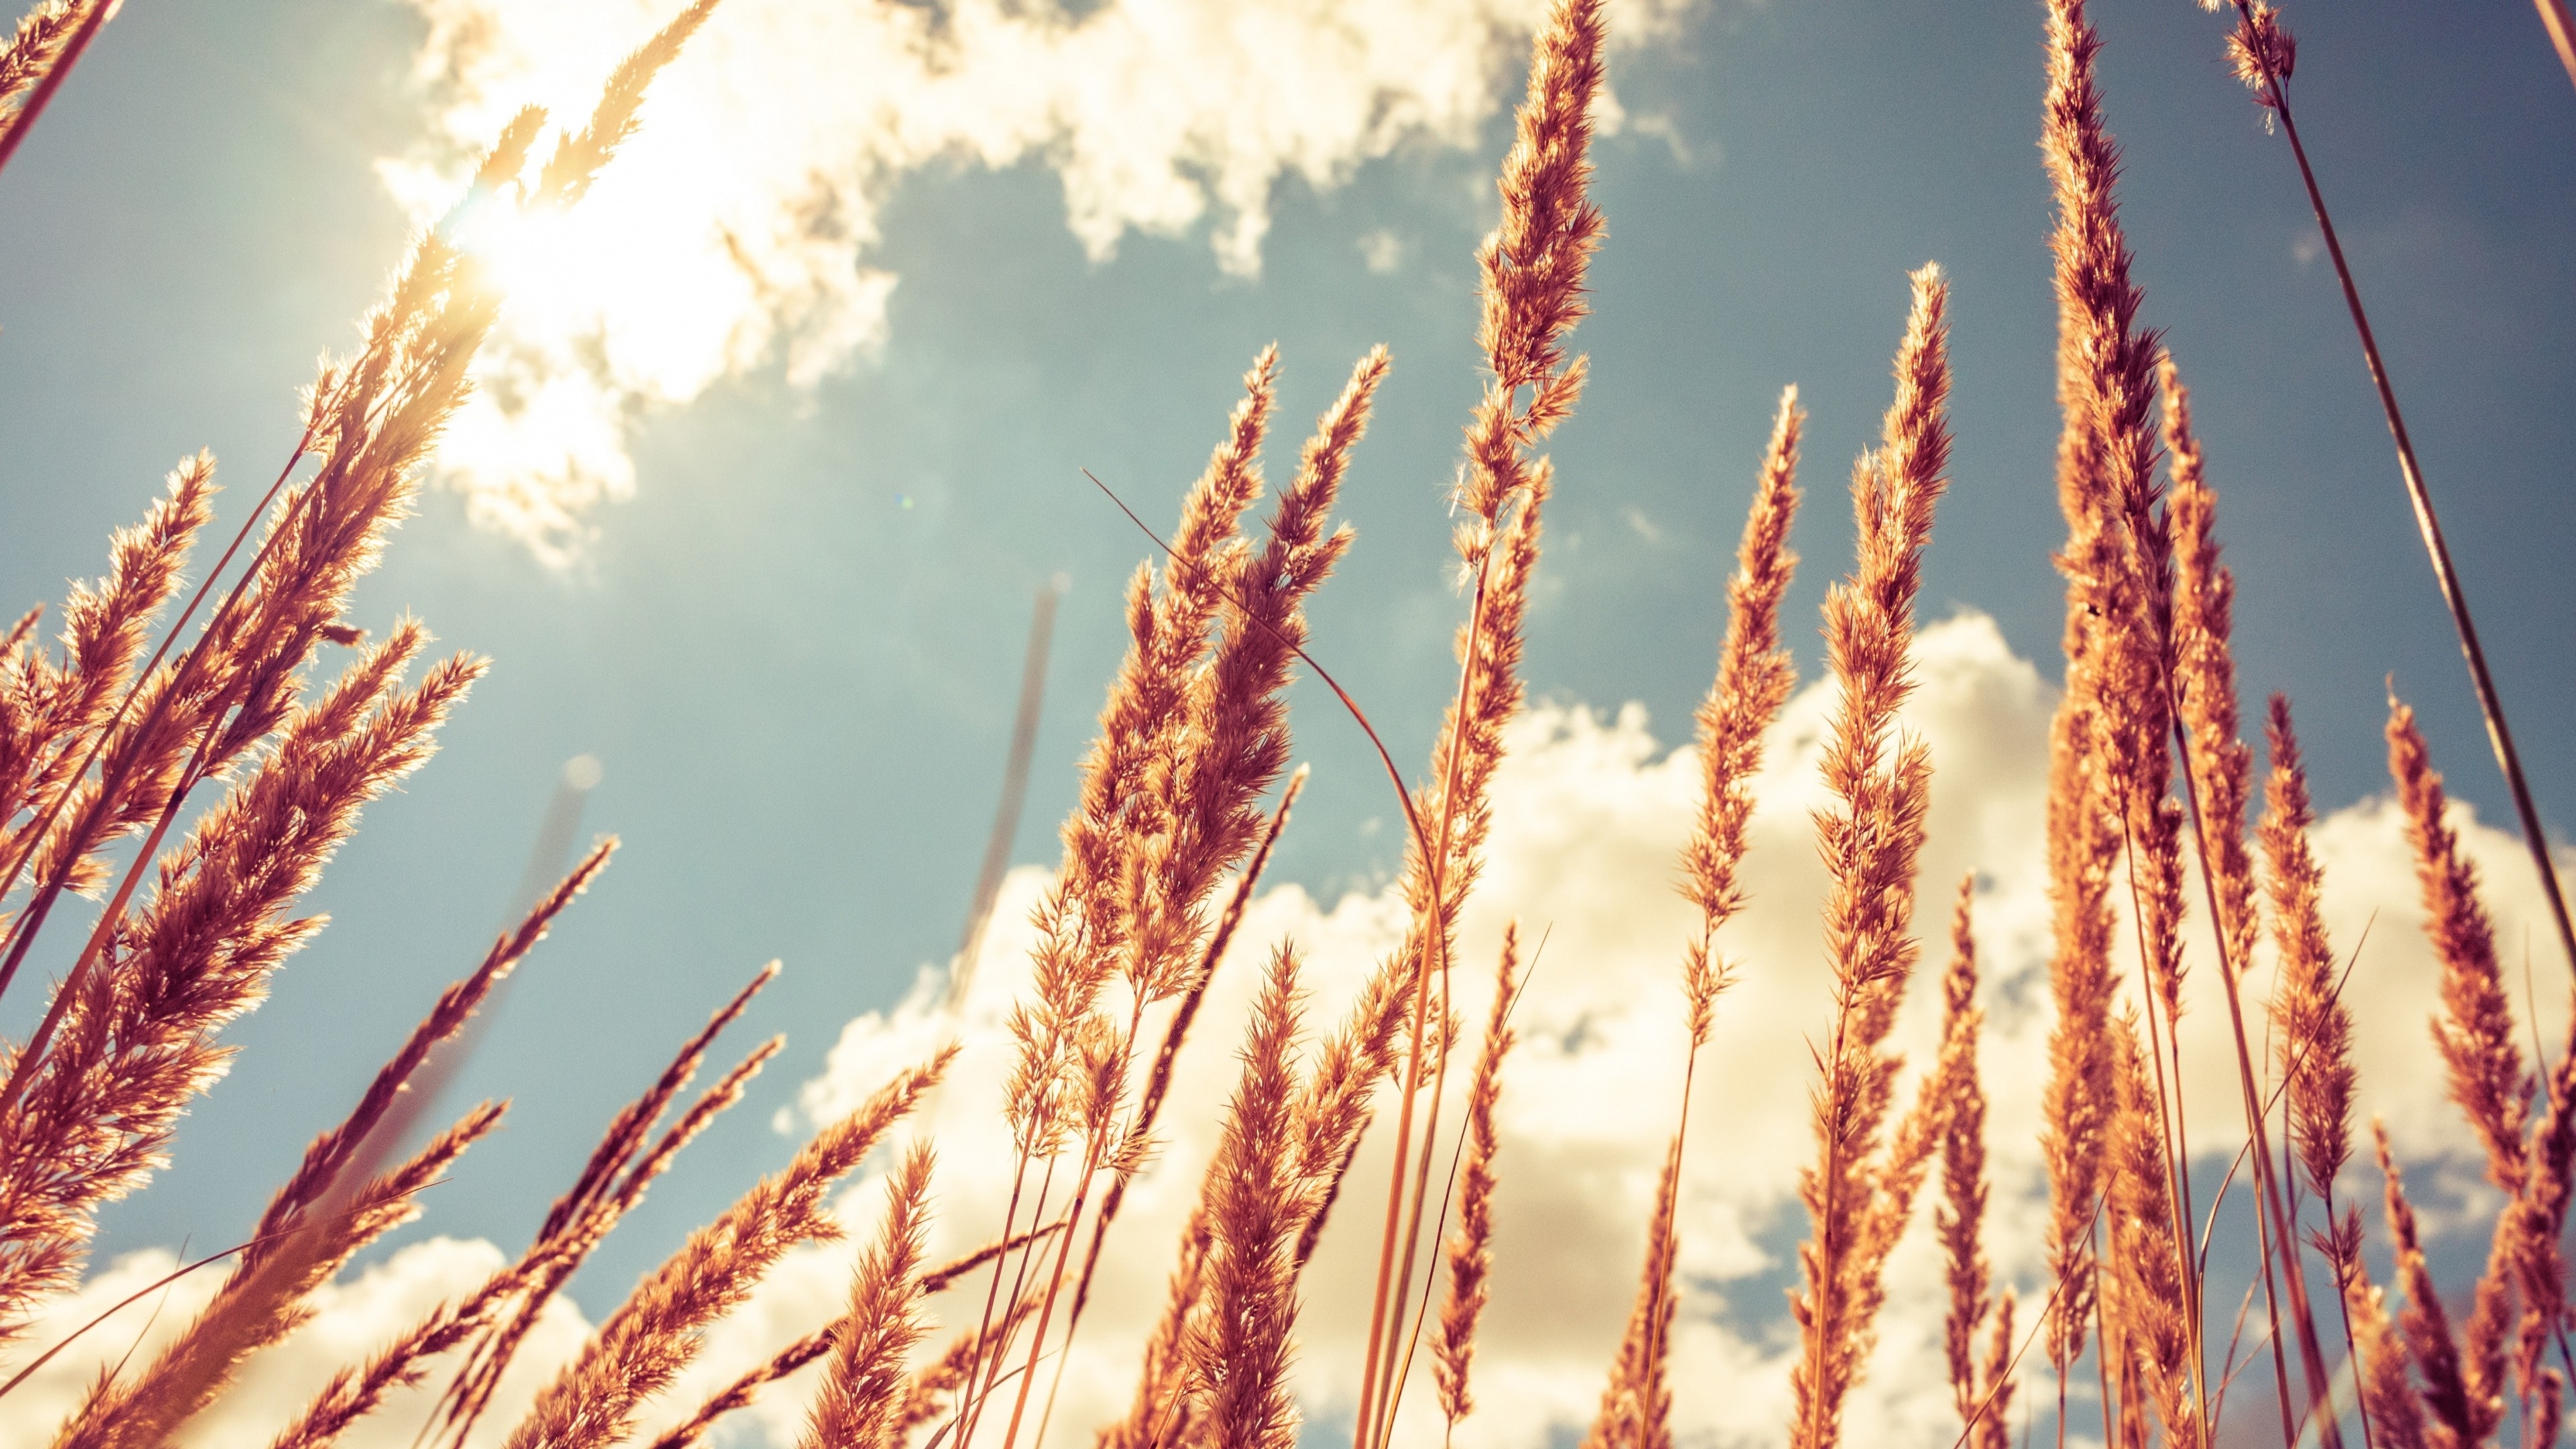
[(735, 230), (145, 1306), (1590, 812)]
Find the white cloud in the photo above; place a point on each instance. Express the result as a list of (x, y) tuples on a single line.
[(1589, 814), (1383, 252), (735, 230), (352, 1319), (1590, 811)]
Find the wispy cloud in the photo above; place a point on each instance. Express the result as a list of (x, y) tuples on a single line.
[(736, 230)]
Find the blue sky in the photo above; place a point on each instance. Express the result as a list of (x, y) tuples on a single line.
[(795, 648)]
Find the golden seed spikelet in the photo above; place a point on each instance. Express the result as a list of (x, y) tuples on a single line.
[(2476, 1031), (1869, 838), (861, 1400), (1470, 1253)]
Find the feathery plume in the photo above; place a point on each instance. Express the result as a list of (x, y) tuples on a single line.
[(137, 1040), (48, 43), (1637, 1403), (655, 1332), (1470, 1252), (59, 715), (2460, 1415), (1158, 1083), (2083, 829), (1869, 838), (1959, 1220), (2475, 1032), (1754, 676), (262, 1302), (2314, 1024), (1244, 741), (1164, 1412), (1088, 917), (2145, 1299), (24, 59), (1191, 748), (262, 1298), (943, 1376), (862, 1394), (2536, 1227), (1532, 282), (2388, 1402), (2204, 671), (126, 1041), (2107, 383), (579, 157), (1239, 1345)]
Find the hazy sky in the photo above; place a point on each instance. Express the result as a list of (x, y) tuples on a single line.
[(795, 647)]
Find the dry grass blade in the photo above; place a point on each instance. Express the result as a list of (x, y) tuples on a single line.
[(2562, 32)]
